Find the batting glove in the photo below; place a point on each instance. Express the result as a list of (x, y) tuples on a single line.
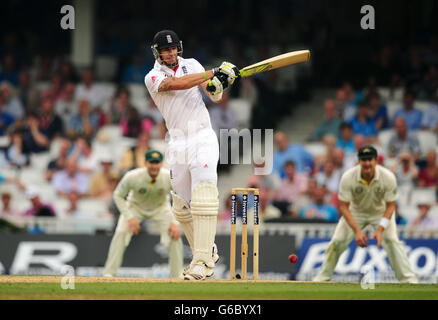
[(228, 69)]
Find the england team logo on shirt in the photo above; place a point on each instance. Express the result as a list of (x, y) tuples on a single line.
[(142, 190)]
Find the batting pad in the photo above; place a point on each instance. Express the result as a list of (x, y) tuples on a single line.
[(181, 211), (204, 208)]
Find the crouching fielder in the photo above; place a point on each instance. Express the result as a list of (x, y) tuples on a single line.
[(143, 194), (367, 196)]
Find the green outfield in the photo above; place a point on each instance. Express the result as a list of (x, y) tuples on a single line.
[(131, 289)]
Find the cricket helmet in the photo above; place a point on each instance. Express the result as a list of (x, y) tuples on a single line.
[(166, 39)]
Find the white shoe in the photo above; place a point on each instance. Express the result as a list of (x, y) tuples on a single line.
[(199, 271), (215, 257)]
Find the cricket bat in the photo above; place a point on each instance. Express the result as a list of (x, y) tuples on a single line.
[(279, 61)]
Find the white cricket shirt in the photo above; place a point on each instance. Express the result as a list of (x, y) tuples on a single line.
[(178, 107), (368, 199)]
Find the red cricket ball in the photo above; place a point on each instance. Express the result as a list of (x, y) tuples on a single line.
[(293, 258)]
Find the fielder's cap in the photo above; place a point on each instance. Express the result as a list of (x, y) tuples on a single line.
[(367, 152), (154, 156)]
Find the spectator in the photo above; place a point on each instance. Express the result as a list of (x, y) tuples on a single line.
[(338, 159), (7, 211), (430, 118), (84, 122), (225, 214), (406, 173), (412, 116), (6, 119), (428, 176), (377, 112), (131, 123), (88, 90), (293, 152), (134, 156), (16, 154), (403, 140), (59, 162), (291, 188), (73, 199), (67, 105), (263, 179), (424, 221), (345, 139), (56, 89), (222, 117), (350, 160), (100, 186), (34, 139), (303, 200), (70, 180), (331, 123), (363, 124), (67, 73), (27, 93), (329, 177), (120, 105), (266, 209), (9, 72), (318, 209), (341, 104), (50, 124), (38, 209), (11, 103), (88, 161)]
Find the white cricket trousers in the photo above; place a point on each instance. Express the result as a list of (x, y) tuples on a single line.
[(394, 248), (162, 217), (193, 160)]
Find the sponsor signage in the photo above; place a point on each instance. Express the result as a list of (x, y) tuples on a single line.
[(422, 255), (144, 257)]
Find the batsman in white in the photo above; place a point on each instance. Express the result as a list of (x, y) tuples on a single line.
[(143, 194), (367, 196), (193, 148)]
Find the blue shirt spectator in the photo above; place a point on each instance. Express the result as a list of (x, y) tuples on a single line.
[(378, 112), (412, 116), (293, 152), (430, 118), (345, 139), (84, 122), (362, 124), (318, 209)]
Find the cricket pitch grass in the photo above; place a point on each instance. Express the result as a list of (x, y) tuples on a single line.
[(95, 288)]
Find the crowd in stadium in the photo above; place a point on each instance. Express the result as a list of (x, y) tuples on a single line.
[(52, 108)]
